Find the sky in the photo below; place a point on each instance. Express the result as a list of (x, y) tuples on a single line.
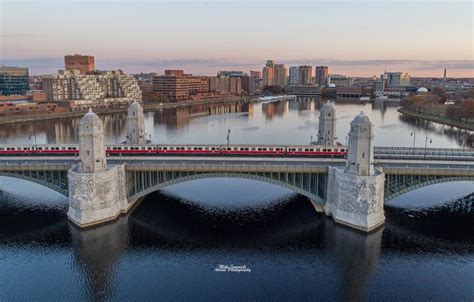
[(202, 37)]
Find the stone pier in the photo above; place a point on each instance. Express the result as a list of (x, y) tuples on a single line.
[(96, 191), (355, 194)]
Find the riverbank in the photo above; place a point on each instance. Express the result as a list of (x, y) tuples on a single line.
[(148, 107), (441, 120)]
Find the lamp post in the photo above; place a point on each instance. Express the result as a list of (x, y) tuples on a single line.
[(311, 140), (426, 143), (414, 138)]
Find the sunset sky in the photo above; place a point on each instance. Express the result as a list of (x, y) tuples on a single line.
[(351, 37)]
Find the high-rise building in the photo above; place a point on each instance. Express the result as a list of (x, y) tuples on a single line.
[(92, 90), (305, 74), (267, 75), (270, 63), (397, 79), (280, 75), (321, 75), (256, 74), (85, 64), (175, 85), (14, 80), (379, 87), (294, 76), (235, 85)]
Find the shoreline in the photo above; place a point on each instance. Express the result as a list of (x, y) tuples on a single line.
[(149, 107), (440, 120)]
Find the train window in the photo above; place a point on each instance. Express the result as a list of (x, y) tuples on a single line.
[(1, 149), (40, 148), (165, 148), (300, 149), (207, 148), (149, 148), (253, 149)]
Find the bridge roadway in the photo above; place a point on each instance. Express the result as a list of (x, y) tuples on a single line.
[(233, 160)]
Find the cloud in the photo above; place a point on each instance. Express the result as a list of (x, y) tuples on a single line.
[(209, 66), (22, 36)]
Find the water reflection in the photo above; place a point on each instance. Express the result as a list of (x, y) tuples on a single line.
[(96, 253), (169, 245), (275, 122), (356, 256)]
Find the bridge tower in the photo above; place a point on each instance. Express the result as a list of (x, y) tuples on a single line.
[(96, 191), (91, 144), (136, 124), (355, 194), (327, 125), (360, 157)]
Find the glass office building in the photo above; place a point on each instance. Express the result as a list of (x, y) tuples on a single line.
[(14, 80)]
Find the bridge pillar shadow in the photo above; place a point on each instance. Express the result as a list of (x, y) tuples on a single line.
[(96, 252)]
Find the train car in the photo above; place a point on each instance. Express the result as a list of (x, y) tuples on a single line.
[(63, 149), (209, 150)]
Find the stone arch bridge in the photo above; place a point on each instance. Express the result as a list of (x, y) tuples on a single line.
[(308, 180)]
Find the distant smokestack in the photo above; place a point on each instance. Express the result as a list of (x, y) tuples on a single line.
[(445, 73)]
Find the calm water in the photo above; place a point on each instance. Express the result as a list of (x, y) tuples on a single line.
[(169, 246)]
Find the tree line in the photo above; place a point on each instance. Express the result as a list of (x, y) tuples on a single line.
[(434, 103)]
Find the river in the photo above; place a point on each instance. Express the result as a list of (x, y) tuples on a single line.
[(169, 246)]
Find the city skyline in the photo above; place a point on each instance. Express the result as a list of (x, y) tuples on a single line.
[(353, 38)]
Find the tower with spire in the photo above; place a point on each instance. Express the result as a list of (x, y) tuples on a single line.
[(355, 194), (96, 190), (91, 144), (327, 125), (136, 124)]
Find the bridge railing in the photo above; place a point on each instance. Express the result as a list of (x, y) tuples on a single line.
[(447, 171), (418, 150), (6, 166), (236, 168)]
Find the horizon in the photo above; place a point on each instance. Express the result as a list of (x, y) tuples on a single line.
[(353, 38)]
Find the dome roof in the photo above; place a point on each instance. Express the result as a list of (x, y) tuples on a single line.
[(422, 90), (90, 118), (328, 107), (361, 118)]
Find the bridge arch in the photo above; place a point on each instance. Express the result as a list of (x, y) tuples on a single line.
[(315, 193), (395, 187), (47, 180)]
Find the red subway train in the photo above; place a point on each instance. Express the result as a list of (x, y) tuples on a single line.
[(141, 150)]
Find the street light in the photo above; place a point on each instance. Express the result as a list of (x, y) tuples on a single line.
[(414, 138), (426, 142)]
